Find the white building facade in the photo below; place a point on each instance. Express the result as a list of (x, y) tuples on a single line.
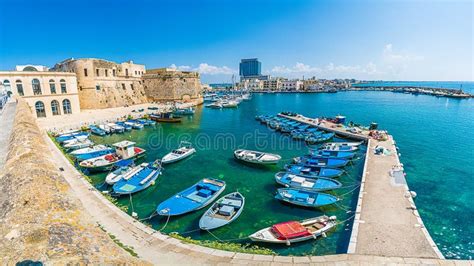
[(291, 85)]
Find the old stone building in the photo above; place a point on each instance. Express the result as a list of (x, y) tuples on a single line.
[(106, 84), (47, 93), (168, 84)]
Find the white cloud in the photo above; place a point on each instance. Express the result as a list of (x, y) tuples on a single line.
[(297, 68), (329, 70), (391, 56), (205, 68)]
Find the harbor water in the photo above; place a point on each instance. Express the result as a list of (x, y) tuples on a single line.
[(434, 136)]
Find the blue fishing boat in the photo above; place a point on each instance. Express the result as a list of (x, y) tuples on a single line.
[(315, 161), (134, 124), (92, 152), (73, 135), (97, 131), (125, 126), (305, 198), (140, 180), (341, 146), (299, 135), (224, 211), (313, 171), (331, 154), (306, 183), (193, 198), (184, 111), (312, 139)]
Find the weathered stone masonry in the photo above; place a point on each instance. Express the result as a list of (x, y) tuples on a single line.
[(166, 84)]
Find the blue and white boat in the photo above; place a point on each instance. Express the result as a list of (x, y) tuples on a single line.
[(121, 170), (340, 146), (116, 128), (193, 198), (318, 138), (73, 135), (125, 126), (331, 154), (305, 198), (77, 143), (92, 152), (317, 161), (134, 125), (140, 180), (145, 122), (184, 111), (306, 183), (313, 171), (97, 131), (105, 128), (224, 211)]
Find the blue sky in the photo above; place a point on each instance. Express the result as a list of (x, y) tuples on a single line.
[(391, 40)]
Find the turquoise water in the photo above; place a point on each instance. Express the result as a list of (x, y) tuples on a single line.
[(456, 85), (434, 135)]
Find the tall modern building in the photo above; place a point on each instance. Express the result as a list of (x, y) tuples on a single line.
[(250, 68)]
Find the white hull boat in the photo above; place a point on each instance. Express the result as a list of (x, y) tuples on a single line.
[(256, 157), (185, 150)]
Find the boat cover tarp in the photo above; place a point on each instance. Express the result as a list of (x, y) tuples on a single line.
[(124, 163), (291, 229)]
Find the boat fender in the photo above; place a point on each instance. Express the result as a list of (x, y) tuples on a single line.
[(413, 194), (288, 243), (134, 215), (105, 192), (152, 183), (324, 234), (332, 218)]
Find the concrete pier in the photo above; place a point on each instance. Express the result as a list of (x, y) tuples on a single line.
[(386, 222)]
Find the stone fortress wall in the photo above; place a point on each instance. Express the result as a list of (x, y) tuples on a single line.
[(167, 84), (106, 84), (40, 218)]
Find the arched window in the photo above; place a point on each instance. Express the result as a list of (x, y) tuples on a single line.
[(52, 86), (35, 83), (30, 68), (6, 85), (63, 86), (19, 88), (40, 112), (55, 107), (67, 107)]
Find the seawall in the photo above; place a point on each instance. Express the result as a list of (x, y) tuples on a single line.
[(40, 218)]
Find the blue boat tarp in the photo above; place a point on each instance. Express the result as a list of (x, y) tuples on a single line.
[(139, 181), (124, 163)]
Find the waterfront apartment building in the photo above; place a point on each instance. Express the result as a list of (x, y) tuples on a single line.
[(170, 84), (251, 84), (106, 84), (48, 93), (272, 84), (291, 85)]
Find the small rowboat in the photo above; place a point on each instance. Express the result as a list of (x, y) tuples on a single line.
[(256, 157), (74, 135), (193, 198), (143, 177), (106, 162), (306, 183), (223, 211), (313, 171), (106, 128), (331, 154), (293, 232), (122, 170), (319, 138), (125, 126), (184, 150), (326, 162), (305, 198), (92, 152), (78, 143), (134, 124), (341, 146), (97, 131), (116, 128), (215, 105)]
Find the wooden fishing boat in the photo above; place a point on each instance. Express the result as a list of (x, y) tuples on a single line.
[(318, 138), (121, 170), (317, 161), (77, 143), (331, 154), (91, 152), (224, 211), (340, 146), (193, 198), (292, 231), (97, 131), (134, 124), (313, 171), (165, 118), (144, 176), (305, 198), (256, 157), (125, 126), (305, 183), (184, 150), (73, 135)]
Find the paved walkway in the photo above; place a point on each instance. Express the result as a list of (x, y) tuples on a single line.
[(7, 116)]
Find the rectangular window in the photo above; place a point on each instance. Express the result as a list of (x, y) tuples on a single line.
[(123, 86), (97, 87), (131, 86), (85, 72), (97, 72), (126, 72), (106, 72), (19, 88), (52, 87), (113, 72)]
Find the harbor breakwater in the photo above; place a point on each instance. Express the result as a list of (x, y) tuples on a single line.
[(41, 219)]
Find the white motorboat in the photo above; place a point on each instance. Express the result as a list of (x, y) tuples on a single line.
[(184, 150), (292, 231), (105, 128), (77, 143), (256, 157), (116, 128), (340, 146)]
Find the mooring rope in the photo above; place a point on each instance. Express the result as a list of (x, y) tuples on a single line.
[(167, 220), (352, 190), (344, 221), (131, 202), (226, 240)]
